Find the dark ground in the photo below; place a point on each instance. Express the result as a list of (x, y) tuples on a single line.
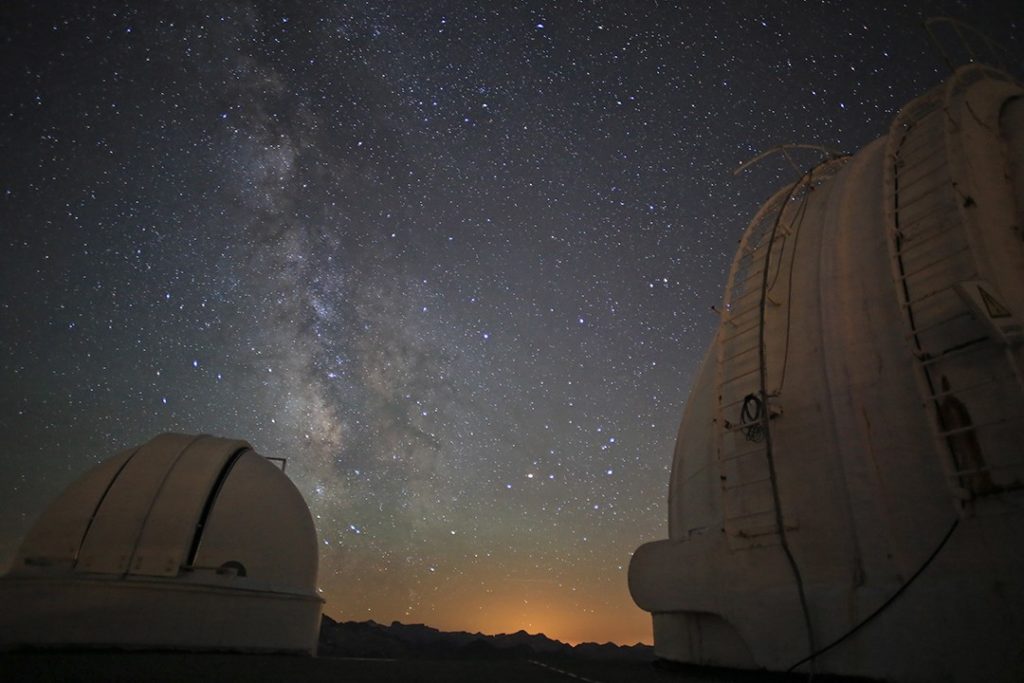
[(115, 667)]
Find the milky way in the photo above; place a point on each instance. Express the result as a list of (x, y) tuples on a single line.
[(456, 264)]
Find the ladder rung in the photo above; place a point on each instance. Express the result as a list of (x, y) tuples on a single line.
[(912, 195), (918, 112), (737, 355), (925, 297), (973, 428), (907, 203), (746, 294), (749, 277), (740, 376), (755, 307), (738, 401), (742, 454), (963, 390), (925, 159), (913, 164), (723, 406), (920, 129), (769, 511), (910, 243), (938, 323), (930, 179), (741, 332), (729, 404), (937, 215), (966, 347), (906, 225), (989, 468), (939, 250), (933, 263), (740, 426), (745, 484), (924, 122), (958, 430), (748, 250), (745, 291), (912, 208)]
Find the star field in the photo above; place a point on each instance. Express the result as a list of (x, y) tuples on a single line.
[(455, 261)]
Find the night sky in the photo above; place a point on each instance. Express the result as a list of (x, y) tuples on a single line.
[(454, 260)]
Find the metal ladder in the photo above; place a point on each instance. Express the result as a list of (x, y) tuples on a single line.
[(932, 259), (748, 506), (749, 509)]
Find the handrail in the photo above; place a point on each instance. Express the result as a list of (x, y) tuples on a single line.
[(963, 31), (784, 149)]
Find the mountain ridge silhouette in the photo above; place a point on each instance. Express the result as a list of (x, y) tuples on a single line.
[(419, 641)]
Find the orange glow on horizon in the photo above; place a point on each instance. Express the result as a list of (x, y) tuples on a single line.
[(559, 612)]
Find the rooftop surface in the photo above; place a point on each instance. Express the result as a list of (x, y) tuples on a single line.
[(156, 667)]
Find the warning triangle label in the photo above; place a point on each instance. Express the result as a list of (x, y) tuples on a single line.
[(978, 295), (993, 307)]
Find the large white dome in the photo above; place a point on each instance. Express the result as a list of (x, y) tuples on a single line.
[(860, 403)]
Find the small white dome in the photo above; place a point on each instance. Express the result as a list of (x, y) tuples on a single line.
[(178, 520)]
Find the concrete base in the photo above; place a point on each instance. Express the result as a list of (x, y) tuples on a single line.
[(154, 615)]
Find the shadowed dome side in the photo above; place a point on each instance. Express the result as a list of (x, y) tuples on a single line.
[(262, 525)]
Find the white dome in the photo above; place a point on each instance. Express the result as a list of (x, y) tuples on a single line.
[(862, 400), (152, 539)]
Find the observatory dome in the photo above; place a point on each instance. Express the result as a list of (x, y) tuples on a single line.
[(847, 489), (184, 542)]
